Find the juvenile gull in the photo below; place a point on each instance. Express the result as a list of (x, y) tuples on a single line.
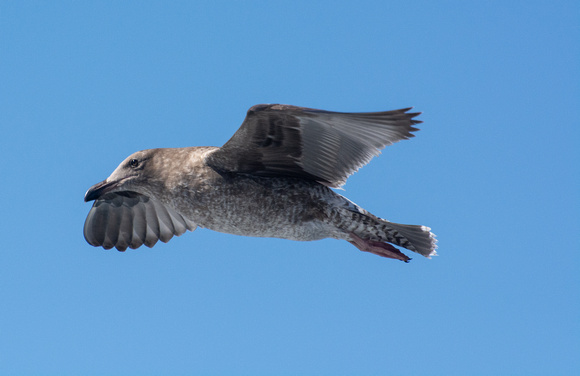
[(271, 179)]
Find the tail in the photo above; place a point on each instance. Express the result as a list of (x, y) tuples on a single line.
[(370, 233), (416, 238)]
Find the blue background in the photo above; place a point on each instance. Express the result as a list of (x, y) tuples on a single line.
[(494, 171)]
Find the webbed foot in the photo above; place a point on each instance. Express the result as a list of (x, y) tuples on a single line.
[(378, 248)]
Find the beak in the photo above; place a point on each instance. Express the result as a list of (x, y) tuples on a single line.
[(100, 189)]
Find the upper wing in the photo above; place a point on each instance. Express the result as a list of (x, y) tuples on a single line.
[(283, 140), (128, 219)]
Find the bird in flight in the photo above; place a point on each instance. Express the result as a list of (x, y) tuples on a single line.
[(271, 179)]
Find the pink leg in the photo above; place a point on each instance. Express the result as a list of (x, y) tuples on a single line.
[(378, 248)]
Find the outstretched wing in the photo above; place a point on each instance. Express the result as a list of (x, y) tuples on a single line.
[(283, 140), (128, 219)]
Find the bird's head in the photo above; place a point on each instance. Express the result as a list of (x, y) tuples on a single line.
[(134, 174)]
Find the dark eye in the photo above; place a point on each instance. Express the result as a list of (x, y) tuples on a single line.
[(133, 163)]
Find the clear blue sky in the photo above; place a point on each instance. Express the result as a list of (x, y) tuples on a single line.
[(494, 171)]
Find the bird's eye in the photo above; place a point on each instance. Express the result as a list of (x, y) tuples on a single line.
[(133, 163)]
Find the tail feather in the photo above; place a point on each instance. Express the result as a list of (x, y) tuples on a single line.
[(416, 238), (355, 220)]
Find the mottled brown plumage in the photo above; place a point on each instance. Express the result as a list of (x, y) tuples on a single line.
[(271, 179)]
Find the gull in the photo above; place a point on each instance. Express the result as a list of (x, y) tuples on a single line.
[(273, 178)]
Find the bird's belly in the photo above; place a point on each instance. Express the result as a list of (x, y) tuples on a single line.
[(272, 229), (265, 207)]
